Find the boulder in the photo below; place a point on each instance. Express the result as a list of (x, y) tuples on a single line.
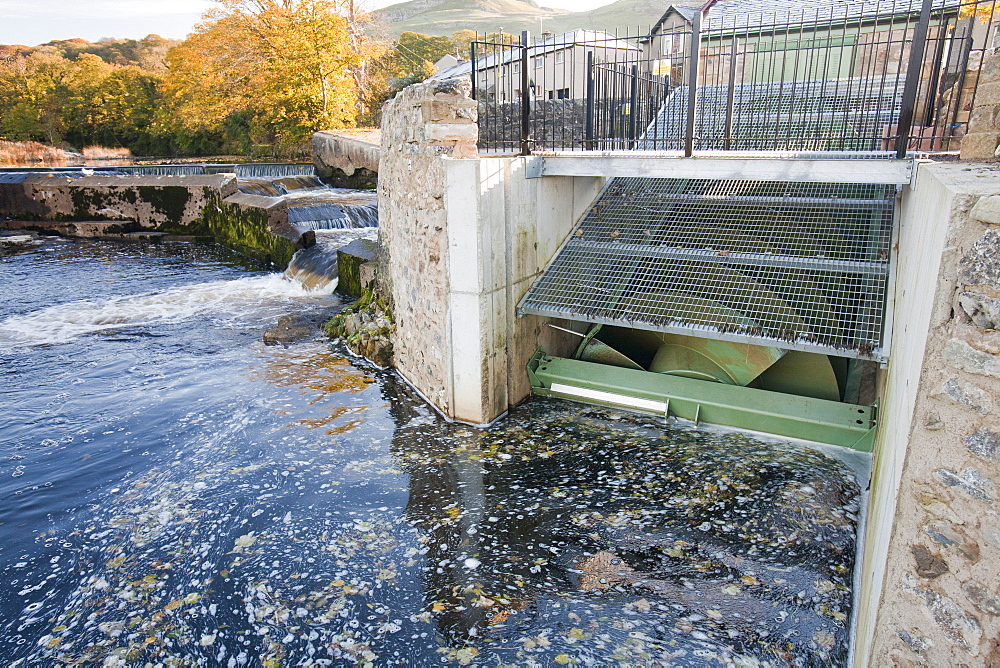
[(290, 328)]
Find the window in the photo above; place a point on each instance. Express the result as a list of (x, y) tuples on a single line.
[(517, 67), (539, 62), (561, 57), (671, 44)]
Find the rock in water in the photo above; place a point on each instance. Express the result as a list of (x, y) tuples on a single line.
[(290, 328), (11, 244)]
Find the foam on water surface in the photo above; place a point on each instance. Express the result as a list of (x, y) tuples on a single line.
[(219, 299)]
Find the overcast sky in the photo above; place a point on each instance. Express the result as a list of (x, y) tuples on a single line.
[(38, 21)]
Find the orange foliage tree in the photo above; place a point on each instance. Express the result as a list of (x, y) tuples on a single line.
[(267, 72)]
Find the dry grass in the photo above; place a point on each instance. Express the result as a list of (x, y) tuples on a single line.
[(104, 153), (30, 153)]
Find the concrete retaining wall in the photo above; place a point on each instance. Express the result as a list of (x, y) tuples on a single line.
[(929, 586), (156, 202)]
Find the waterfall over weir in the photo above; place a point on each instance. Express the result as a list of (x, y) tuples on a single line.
[(256, 170), (312, 205), (315, 268)]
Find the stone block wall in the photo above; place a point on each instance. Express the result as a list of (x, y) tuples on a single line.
[(153, 202), (462, 239), (982, 142), (938, 603), (347, 158), (423, 124), (207, 206)]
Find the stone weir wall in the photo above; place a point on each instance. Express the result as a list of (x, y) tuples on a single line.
[(347, 158), (200, 206)]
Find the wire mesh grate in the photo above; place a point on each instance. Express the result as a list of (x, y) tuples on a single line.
[(797, 265), (822, 115)]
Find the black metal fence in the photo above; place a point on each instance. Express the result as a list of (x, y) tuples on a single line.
[(889, 77)]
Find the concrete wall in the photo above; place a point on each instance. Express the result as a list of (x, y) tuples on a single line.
[(929, 591), (503, 229), (155, 202)]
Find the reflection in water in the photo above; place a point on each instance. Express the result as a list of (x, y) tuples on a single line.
[(193, 497), (577, 534), (322, 376)]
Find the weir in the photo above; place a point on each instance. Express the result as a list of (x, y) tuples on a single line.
[(266, 211)]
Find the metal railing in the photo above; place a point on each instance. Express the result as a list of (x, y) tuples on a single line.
[(888, 77)]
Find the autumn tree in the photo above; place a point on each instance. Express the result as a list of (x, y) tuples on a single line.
[(266, 72), (48, 98)]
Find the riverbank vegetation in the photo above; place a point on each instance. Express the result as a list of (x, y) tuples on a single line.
[(254, 78)]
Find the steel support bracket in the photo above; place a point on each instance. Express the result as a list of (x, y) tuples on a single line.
[(831, 422)]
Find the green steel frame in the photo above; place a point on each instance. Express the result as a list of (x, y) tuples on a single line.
[(831, 422)]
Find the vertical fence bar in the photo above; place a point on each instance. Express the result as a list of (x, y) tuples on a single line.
[(525, 96), (727, 140), (930, 109), (910, 88), (588, 119), (692, 106), (633, 106)]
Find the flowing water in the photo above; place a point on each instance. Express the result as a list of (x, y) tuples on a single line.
[(175, 492)]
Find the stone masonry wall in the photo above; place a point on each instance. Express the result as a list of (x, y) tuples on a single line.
[(421, 126), (940, 603), (982, 142)]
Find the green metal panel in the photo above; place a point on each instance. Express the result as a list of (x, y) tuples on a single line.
[(820, 420)]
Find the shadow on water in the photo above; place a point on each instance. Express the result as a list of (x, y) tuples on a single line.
[(189, 495)]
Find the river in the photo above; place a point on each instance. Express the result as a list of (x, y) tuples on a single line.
[(174, 492)]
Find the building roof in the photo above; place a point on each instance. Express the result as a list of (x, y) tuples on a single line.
[(549, 44), (736, 14)]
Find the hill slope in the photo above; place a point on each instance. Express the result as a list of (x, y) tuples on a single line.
[(443, 17)]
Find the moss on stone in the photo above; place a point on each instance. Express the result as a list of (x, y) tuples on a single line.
[(366, 327), (245, 230), (171, 201)]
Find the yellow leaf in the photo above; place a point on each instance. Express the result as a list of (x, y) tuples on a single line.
[(562, 659)]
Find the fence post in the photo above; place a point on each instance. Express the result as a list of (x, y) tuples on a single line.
[(588, 119), (727, 142), (692, 106), (633, 106), (472, 47), (909, 102), (525, 97)]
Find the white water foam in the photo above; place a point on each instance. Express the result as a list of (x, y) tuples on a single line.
[(227, 299)]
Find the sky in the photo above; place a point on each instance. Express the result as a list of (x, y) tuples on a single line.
[(34, 22)]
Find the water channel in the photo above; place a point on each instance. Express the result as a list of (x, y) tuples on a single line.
[(174, 492)]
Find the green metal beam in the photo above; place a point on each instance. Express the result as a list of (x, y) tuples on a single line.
[(820, 420)]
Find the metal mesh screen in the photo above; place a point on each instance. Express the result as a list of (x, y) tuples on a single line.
[(821, 115), (796, 265)]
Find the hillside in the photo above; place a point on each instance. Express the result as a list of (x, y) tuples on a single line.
[(443, 17)]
